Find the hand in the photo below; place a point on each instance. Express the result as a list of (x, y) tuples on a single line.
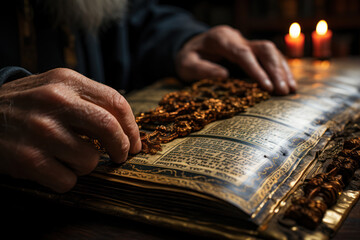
[(261, 60), (41, 117)]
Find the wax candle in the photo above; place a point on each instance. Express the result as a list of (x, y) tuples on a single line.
[(321, 40), (294, 41)]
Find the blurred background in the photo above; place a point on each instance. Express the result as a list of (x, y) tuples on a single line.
[(271, 19)]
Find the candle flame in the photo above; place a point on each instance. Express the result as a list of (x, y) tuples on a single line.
[(321, 27), (294, 30)]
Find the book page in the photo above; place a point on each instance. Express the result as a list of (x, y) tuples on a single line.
[(250, 158)]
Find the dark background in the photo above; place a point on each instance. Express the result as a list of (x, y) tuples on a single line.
[(271, 19)]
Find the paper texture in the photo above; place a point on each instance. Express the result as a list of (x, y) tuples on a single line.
[(247, 159)]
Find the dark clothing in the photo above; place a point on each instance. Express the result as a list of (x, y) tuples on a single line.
[(125, 55)]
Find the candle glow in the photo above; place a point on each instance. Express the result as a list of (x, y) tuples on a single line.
[(321, 39), (294, 30), (294, 41), (321, 27)]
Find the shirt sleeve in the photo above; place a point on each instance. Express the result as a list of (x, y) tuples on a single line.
[(157, 32), (11, 73)]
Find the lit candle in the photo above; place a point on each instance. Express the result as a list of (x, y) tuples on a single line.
[(294, 41), (321, 39)]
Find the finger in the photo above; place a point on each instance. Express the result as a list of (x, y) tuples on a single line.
[(194, 67), (94, 121), (76, 154), (63, 144), (268, 56), (51, 173), (232, 46), (83, 116), (116, 104), (30, 163), (291, 80), (249, 63), (105, 97)]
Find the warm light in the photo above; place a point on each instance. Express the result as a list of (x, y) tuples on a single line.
[(321, 27), (294, 41), (294, 30)]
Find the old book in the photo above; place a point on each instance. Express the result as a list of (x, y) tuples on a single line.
[(234, 178)]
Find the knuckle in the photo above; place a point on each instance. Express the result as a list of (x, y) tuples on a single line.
[(61, 74), (267, 45), (39, 164), (108, 122), (218, 34), (54, 93), (31, 158), (46, 126), (241, 50), (125, 146), (244, 48), (279, 72), (119, 101), (221, 32), (65, 76), (188, 62), (278, 69), (223, 29)]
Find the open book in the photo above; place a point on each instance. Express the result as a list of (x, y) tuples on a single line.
[(231, 178)]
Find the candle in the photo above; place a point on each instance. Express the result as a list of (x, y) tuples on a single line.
[(294, 41), (321, 39)]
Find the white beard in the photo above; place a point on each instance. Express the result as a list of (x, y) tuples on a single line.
[(89, 15)]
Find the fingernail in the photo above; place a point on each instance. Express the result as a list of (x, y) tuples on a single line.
[(268, 85), (221, 73), (138, 146), (293, 84), (284, 89), (124, 157)]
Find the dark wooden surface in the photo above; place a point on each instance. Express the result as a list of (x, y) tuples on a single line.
[(26, 217)]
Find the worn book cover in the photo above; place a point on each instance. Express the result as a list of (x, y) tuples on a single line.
[(234, 177)]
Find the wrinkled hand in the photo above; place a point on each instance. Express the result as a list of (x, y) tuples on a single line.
[(41, 117), (261, 60)]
